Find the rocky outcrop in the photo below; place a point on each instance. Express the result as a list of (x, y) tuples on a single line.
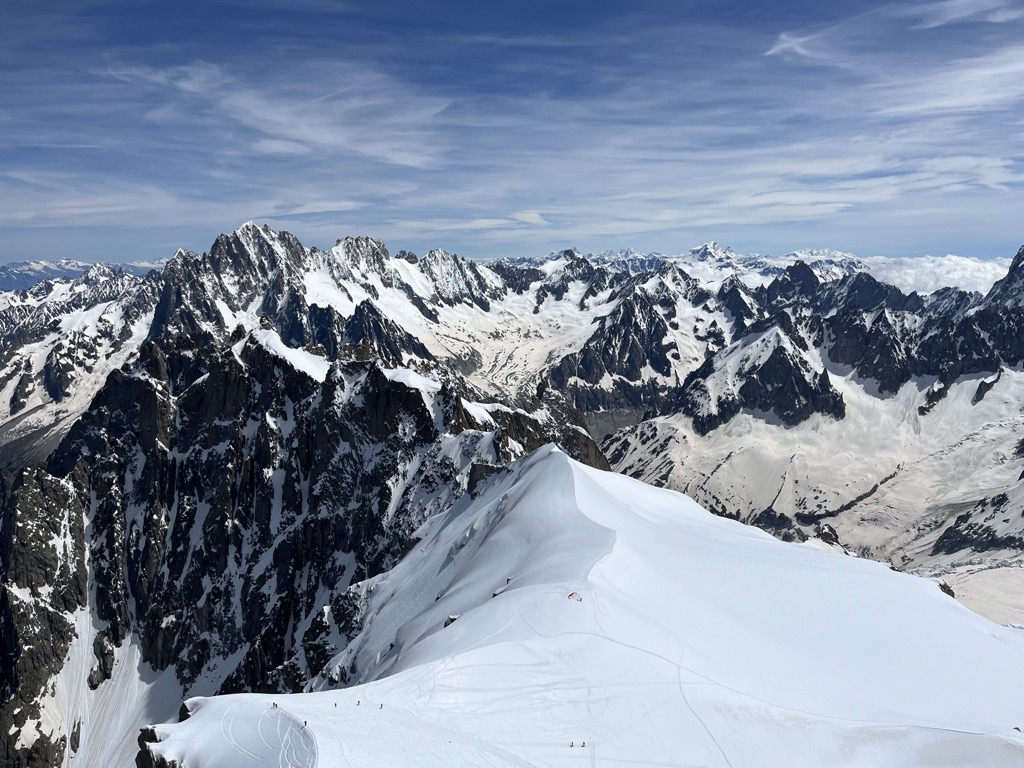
[(871, 345), (783, 387), (42, 584), (765, 372), (615, 367), (1009, 292), (146, 758)]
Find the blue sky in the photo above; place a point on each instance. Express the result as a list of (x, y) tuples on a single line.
[(130, 129)]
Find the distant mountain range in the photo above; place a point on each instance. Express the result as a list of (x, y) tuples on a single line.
[(209, 467), (20, 275), (709, 262)]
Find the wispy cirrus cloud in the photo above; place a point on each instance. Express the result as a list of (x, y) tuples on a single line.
[(371, 115), (931, 15), (979, 84), (892, 129)]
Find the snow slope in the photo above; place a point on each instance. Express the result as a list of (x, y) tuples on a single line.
[(888, 479), (567, 616)]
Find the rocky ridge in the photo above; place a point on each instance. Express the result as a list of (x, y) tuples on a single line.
[(214, 500), (202, 460)]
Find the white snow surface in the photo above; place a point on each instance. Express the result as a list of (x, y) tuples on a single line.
[(314, 366), (899, 478), (601, 621)]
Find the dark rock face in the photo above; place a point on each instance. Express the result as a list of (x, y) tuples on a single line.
[(562, 425), (626, 342), (740, 303), (1010, 290), (861, 291), (228, 516), (772, 377), (985, 386), (256, 463), (995, 329), (828, 534), (783, 387), (978, 538), (627, 370), (369, 333), (145, 757), (779, 524), (517, 277), (978, 529), (797, 284), (42, 565), (876, 351)]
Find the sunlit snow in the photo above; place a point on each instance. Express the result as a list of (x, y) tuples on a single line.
[(599, 621)]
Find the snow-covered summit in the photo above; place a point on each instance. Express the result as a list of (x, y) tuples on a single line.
[(568, 616)]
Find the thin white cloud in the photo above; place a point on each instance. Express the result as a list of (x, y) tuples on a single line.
[(70, 202), (530, 217), (373, 116), (317, 206), (932, 15), (861, 134), (514, 223), (279, 147), (994, 80), (800, 45)]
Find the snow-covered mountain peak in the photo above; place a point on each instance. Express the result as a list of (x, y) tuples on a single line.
[(713, 252), (25, 274), (456, 280), (563, 614), (565, 253), (363, 253), (815, 254), (98, 272), (1010, 290), (630, 260)]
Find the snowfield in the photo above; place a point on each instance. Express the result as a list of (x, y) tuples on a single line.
[(567, 616), (895, 474)]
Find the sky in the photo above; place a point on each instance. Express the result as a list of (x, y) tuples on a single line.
[(130, 129)]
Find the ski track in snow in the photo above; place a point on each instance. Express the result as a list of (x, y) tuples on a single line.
[(280, 740)]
